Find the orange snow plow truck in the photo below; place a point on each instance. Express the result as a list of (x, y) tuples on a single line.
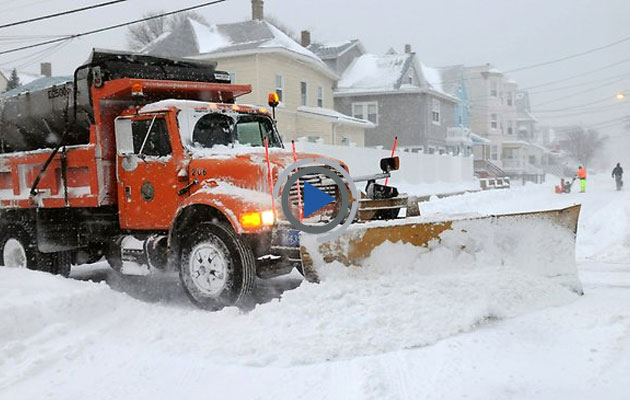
[(150, 163)]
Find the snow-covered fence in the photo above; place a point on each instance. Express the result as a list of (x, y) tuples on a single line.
[(414, 167)]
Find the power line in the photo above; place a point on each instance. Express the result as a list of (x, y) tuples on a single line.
[(578, 75), (580, 54), (59, 14), (111, 27)]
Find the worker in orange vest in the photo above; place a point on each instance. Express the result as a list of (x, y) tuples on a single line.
[(581, 174)]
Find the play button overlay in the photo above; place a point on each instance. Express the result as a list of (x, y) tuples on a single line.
[(315, 199)]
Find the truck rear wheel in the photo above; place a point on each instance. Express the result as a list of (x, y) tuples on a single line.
[(217, 268), (18, 248)]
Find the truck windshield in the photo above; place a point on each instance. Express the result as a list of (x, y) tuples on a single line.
[(222, 130)]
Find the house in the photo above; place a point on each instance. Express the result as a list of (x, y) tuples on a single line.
[(401, 96), (258, 53), (526, 122), (500, 113), (454, 83), (25, 77)]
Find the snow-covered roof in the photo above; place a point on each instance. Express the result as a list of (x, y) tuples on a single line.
[(332, 50), (38, 84), (376, 73), (372, 73), (335, 116), (193, 39), (477, 139), (433, 77), (25, 77)]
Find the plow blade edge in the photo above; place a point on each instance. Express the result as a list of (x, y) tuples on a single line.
[(542, 242)]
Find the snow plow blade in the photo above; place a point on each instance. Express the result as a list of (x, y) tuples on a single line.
[(542, 242)]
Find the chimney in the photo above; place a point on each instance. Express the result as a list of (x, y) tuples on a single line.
[(45, 69), (408, 48), (258, 10), (306, 38)]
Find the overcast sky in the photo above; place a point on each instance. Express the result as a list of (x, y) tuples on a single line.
[(506, 33)]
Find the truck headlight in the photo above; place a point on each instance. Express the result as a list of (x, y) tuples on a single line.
[(256, 219), (268, 217)]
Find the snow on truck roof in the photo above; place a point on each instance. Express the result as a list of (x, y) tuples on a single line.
[(194, 105)]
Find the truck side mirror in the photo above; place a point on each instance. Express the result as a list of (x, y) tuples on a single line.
[(390, 164)]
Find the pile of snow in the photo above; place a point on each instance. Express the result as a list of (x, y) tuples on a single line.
[(401, 299)]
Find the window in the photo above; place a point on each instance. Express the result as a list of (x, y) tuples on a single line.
[(253, 130), (510, 129), (220, 130), (493, 121), (493, 89), (150, 137), (509, 98), (303, 93), (345, 141), (494, 153), (320, 96), (532, 160), (435, 111), (431, 150), (280, 87), (367, 110)]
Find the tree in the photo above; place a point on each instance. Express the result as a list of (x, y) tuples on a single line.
[(582, 143), (14, 80), (141, 34)]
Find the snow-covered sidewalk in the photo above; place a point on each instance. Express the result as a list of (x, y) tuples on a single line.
[(407, 335)]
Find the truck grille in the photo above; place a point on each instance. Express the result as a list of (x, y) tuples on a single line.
[(320, 181)]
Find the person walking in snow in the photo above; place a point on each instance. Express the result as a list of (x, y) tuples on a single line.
[(581, 175), (617, 173)]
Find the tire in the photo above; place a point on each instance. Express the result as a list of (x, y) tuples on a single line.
[(217, 268), (62, 264), (19, 250)]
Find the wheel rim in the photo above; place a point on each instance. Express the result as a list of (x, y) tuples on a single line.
[(14, 254), (209, 268)]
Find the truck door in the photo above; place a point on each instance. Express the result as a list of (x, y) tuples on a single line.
[(146, 170)]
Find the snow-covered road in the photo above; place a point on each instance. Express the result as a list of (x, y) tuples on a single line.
[(440, 337)]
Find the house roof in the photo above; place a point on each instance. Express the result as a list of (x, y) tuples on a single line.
[(327, 51), (370, 73), (225, 40), (25, 77), (334, 116), (38, 84)]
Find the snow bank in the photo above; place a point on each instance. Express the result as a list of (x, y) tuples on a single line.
[(401, 299)]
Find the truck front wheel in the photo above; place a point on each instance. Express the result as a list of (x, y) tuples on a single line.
[(217, 268)]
